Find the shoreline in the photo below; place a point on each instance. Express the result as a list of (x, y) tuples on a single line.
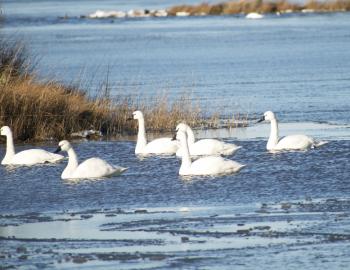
[(248, 132), (247, 8), (49, 110)]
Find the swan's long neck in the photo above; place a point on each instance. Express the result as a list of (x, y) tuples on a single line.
[(72, 163), (273, 139), (190, 136), (141, 136), (10, 148), (186, 159)]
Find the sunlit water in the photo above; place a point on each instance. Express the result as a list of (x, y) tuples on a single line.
[(283, 211), (296, 65), (292, 205)]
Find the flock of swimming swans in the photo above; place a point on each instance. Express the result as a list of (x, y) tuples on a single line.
[(207, 153)]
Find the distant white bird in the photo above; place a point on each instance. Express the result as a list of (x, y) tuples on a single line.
[(182, 14), (205, 147), (291, 142), (26, 157), (138, 13), (100, 14), (159, 146), (90, 168), (254, 16), (160, 13), (210, 165)]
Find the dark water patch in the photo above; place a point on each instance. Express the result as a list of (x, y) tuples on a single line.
[(192, 238), (81, 243), (154, 181)]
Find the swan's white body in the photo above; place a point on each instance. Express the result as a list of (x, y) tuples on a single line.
[(205, 147), (291, 142), (211, 165), (254, 16), (90, 168), (161, 146), (26, 157)]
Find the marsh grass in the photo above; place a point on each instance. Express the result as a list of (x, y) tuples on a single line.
[(37, 110), (42, 111), (50, 110), (260, 6), (13, 61)]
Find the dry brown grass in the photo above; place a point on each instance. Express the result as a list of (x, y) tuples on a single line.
[(247, 6), (41, 111), (163, 115), (50, 110), (37, 111), (338, 5)]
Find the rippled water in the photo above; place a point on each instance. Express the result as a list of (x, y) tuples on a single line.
[(154, 181), (294, 206), (283, 211), (296, 65), (306, 233)]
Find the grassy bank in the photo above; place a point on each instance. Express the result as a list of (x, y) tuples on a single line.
[(37, 110), (260, 6)]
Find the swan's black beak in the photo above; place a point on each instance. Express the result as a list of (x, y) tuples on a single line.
[(59, 149), (129, 119), (174, 136), (261, 119)]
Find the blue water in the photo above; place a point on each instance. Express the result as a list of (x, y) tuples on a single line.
[(296, 65), (154, 182), (295, 206)]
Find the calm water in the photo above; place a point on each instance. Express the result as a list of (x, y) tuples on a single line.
[(296, 65), (283, 210)]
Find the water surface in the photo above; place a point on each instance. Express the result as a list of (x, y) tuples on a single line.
[(293, 64), (286, 210)]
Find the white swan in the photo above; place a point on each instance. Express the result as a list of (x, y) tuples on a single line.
[(205, 147), (157, 146), (254, 16), (291, 142), (90, 168), (26, 157), (210, 165)]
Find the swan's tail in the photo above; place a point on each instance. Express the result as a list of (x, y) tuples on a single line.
[(56, 158), (240, 167), (118, 170), (123, 169), (320, 143), (229, 150)]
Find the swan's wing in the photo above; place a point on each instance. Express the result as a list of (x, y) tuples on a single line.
[(214, 165), (35, 156), (162, 146), (212, 147), (96, 168), (295, 142)]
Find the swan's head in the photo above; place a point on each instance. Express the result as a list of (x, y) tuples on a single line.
[(268, 116), (137, 115), (5, 130), (182, 126), (63, 146)]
